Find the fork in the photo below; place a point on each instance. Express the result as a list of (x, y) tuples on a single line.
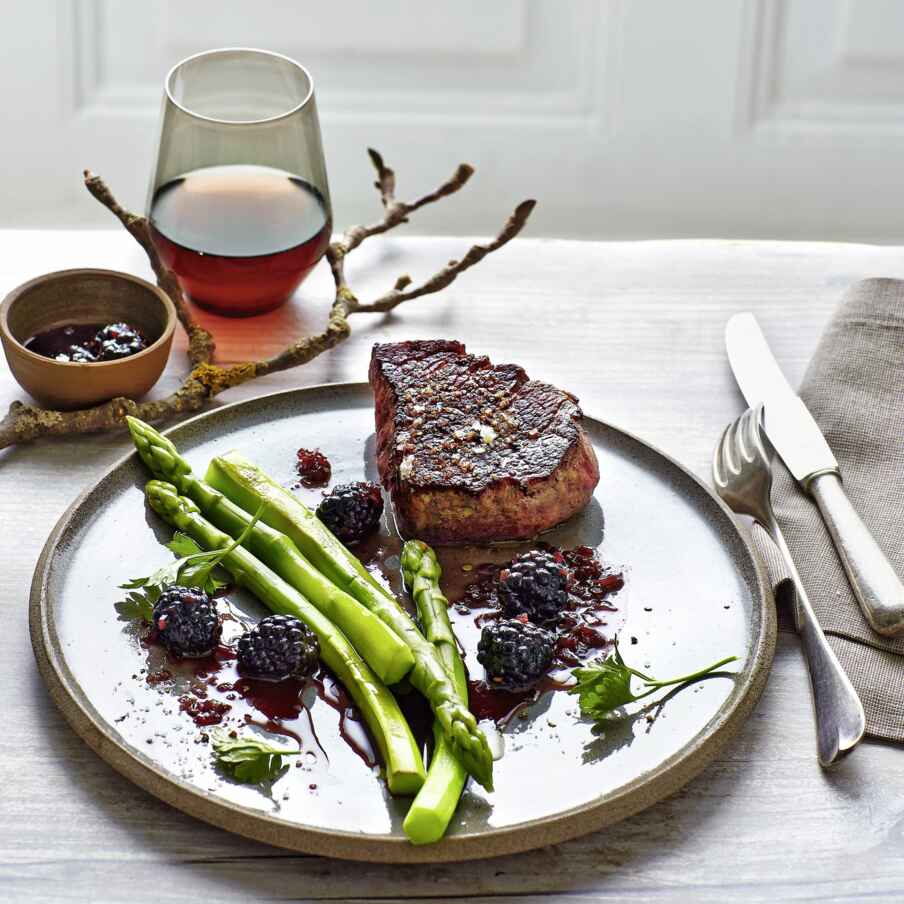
[(742, 473)]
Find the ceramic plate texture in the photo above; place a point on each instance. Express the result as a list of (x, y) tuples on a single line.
[(692, 595)]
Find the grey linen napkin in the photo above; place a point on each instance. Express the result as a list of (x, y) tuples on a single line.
[(854, 387)]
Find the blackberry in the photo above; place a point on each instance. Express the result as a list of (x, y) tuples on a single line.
[(278, 647), (352, 510), (535, 585), (119, 340), (514, 653), (80, 353), (186, 621)]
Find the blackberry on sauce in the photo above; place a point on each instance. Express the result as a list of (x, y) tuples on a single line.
[(352, 510), (186, 622), (278, 647), (514, 653), (535, 584), (119, 340)]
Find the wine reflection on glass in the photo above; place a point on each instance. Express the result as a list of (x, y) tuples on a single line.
[(239, 202)]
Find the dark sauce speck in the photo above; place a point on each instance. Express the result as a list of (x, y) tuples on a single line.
[(314, 468)]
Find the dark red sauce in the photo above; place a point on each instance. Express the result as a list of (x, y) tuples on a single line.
[(88, 343), (159, 677), (501, 705), (498, 704), (279, 701), (352, 729), (203, 712), (314, 468)]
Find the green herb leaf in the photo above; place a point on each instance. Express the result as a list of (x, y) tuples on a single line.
[(196, 572), (605, 685), (135, 605), (182, 545), (195, 568), (146, 591), (248, 759), (203, 576)]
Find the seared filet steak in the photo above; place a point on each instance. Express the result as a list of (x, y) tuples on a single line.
[(471, 452)]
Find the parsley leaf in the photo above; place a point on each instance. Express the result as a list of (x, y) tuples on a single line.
[(605, 685), (194, 568), (197, 572), (135, 605), (182, 545), (248, 759)]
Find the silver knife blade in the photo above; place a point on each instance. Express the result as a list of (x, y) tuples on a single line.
[(788, 424)]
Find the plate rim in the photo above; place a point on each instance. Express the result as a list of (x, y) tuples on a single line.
[(638, 794)]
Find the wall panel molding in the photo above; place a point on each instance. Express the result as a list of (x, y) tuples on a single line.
[(821, 68), (528, 64)]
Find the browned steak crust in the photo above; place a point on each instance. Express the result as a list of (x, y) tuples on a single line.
[(471, 452)]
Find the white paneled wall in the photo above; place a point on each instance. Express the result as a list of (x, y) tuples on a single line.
[(625, 118)]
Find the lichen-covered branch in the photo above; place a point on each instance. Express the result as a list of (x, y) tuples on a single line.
[(396, 212), (207, 379), (442, 278), (201, 346)]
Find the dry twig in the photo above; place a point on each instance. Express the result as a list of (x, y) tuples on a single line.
[(208, 379)]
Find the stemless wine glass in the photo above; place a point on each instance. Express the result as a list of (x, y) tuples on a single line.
[(239, 205)]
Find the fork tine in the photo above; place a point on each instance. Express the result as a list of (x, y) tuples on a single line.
[(758, 436), (719, 475), (752, 437), (724, 460), (747, 430), (731, 457)]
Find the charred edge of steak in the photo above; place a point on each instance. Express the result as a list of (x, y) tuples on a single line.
[(449, 419)]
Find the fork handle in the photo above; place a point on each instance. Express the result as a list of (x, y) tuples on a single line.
[(874, 582), (840, 719)]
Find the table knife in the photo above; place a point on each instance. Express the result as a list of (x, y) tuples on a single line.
[(798, 440)]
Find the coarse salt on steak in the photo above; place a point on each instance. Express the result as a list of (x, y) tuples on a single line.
[(471, 452)]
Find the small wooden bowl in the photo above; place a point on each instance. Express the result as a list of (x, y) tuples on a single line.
[(86, 296)]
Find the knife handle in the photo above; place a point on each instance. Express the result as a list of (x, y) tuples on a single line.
[(875, 584)]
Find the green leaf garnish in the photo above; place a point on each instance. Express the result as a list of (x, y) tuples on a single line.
[(135, 605), (198, 572), (605, 685), (248, 759), (195, 568), (182, 545)]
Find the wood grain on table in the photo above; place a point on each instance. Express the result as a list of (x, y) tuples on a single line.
[(635, 330)]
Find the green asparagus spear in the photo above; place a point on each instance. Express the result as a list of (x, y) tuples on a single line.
[(246, 485), (432, 809), (404, 766), (379, 646)]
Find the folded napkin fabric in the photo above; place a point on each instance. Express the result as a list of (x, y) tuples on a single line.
[(854, 388)]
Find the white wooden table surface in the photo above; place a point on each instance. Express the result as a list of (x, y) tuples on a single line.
[(636, 331)]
